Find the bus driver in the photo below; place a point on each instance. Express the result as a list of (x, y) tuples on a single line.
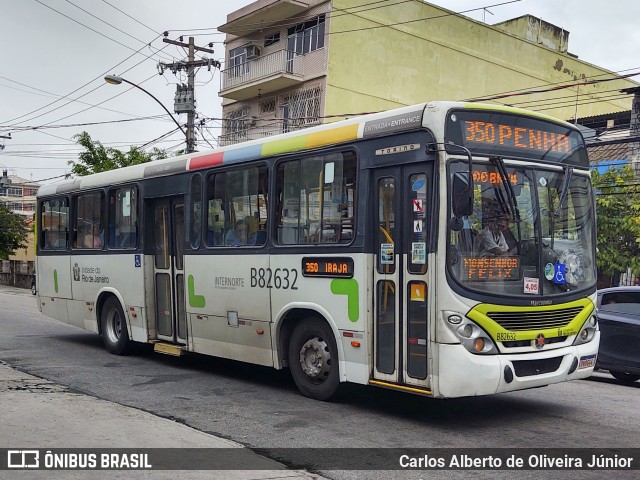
[(490, 240)]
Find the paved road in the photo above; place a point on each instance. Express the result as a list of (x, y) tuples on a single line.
[(261, 408)]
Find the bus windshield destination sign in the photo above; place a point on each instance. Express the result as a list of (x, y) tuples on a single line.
[(491, 268), (516, 137), (493, 133), (341, 267)]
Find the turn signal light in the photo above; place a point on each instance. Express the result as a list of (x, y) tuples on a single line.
[(355, 344), (479, 344)]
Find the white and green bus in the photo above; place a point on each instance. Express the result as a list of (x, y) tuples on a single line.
[(357, 251)]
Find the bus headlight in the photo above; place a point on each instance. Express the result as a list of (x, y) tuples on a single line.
[(587, 332), (471, 336)]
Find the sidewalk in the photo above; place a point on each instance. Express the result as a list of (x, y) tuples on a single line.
[(36, 413)]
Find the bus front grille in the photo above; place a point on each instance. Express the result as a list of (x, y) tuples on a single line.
[(534, 320), (528, 368)]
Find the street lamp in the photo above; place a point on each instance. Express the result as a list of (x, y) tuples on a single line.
[(115, 80)]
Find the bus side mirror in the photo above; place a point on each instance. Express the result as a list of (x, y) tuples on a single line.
[(462, 194)]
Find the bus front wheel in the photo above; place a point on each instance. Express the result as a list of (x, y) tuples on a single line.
[(313, 360), (114, 327)]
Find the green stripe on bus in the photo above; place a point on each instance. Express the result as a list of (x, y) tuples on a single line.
[(196, 301), (348, 287), (283, 146), (55, 280)]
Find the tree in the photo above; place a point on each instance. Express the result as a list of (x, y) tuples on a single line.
[(13, 232), (97, 158), (618, 215)]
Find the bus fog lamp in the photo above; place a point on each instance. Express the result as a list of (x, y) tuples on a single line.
[(584, 334)]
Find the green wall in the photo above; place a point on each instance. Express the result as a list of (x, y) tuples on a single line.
[(449, 58)]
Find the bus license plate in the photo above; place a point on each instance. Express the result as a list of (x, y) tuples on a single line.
[(587, 362)]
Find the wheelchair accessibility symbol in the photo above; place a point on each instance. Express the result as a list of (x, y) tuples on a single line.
[(137, 261), (559, 274)]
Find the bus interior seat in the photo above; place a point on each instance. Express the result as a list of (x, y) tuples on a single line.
[(261, 237)]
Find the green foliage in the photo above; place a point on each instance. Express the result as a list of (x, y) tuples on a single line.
[(618, 211), (97, 158), (13, 232)]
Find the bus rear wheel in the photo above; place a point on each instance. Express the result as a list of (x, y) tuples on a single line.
[(313, 360), (114, 327)]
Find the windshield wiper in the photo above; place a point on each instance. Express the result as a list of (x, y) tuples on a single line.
[(511, 195), (564, 191)]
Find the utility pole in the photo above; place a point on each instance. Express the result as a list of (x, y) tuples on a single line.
[(8, 137), (634, 128), (185, 98)]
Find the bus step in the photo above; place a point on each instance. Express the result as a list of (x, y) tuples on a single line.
[(402, 388), (168, 349)]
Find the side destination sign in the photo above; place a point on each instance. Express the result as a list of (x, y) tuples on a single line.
[(395, 123), (339, 267)]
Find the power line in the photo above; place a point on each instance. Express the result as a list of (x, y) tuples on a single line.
[(87, 27), (132, 18), (105, 22), (79, 88), (121, 120)]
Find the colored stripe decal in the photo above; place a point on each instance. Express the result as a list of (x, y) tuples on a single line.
[(283, 146), (206, 161), (242, 153), (335, 135)]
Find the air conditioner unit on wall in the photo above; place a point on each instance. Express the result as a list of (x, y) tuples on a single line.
[(252, 51)]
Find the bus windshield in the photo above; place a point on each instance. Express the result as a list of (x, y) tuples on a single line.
[(534, 238)]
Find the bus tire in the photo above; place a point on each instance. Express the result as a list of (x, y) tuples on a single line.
[(114, 327), (313, 359)]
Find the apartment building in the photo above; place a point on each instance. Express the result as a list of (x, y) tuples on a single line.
[(290, 64), (19, 196)]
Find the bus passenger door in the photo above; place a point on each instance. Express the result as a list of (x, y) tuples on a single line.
[(168, 270), (402, 198)]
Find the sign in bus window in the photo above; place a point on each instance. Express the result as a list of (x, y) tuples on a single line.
[(490, 268), (338, 267)]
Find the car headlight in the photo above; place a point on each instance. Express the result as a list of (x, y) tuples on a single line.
[(587, 332), (471, 336)]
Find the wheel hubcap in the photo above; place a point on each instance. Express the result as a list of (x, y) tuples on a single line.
[(315, 358), (114, 326)]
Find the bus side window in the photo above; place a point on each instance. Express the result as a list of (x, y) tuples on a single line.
[(54, 222), (215, 209), (196, 210), (123, 218), (316, 199)]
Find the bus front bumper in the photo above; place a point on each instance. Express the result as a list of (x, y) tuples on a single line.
[(464, 374)]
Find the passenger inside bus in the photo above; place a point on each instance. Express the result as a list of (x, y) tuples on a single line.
[(93, 238), (54, 239), (237, 235)]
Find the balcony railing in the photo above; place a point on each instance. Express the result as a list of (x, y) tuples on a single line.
[(262, 131), (276, 64)]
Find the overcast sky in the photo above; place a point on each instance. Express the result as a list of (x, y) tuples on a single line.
[(52, 49)]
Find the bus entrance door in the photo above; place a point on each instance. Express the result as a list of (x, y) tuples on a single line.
[(168, 269), (402, 224)]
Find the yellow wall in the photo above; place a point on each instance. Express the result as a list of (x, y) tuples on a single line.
[(27, 253), (449, 58)]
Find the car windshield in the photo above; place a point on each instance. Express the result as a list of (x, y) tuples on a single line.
[(531, 231)]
